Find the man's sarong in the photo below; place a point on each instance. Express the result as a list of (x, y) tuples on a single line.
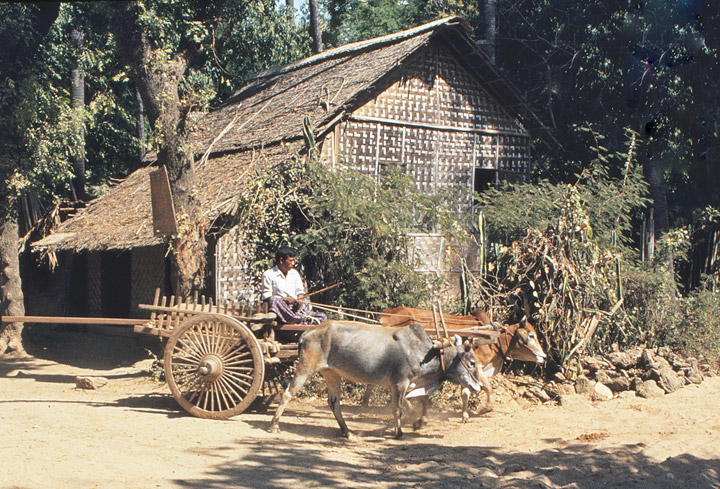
[(294, 313)]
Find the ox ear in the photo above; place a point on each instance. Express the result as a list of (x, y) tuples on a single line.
[(468, 346), (457, 340)]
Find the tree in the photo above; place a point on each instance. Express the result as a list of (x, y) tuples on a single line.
[(315, 26), (166, 47), (21, 40), (78, 102), (158, 73)]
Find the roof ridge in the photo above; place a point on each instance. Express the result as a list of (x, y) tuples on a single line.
[(355, 47)]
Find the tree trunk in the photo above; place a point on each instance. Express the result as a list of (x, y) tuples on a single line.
[(11, 298), (77, 77), (157, 76), (290, 4), (315, 26), (658, 193), (141, 125), (490, 29)]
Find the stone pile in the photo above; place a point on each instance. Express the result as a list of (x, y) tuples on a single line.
[(638, 371)]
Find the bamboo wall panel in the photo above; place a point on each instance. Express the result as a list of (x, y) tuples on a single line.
[(437, 90), (233, 283), (437, 124), (147, 267), (435, 253)]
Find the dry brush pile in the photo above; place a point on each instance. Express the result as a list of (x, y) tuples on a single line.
[(565, 283)]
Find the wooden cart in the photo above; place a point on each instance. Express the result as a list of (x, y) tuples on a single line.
[(217, 359)]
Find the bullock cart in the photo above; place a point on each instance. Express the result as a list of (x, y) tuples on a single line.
[(218, 359)]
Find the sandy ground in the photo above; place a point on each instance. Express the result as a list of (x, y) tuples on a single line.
[(131, 434)]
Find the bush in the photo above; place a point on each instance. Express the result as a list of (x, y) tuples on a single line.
[(351, 231), (697, 331)]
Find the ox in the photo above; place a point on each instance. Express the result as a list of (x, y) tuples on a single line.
[(516, 342), (397, 359)]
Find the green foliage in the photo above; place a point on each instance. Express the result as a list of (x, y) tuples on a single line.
[(689, 324), (358, 234), (605, 204), (357, 20), (351, 230), (39, 130)]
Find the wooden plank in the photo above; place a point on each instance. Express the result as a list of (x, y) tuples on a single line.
[(189, 311), (163, 209), (72, 320)]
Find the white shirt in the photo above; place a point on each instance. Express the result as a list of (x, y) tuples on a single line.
[(275, 283)]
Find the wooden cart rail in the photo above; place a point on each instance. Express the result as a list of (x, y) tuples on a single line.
[(73, 320)]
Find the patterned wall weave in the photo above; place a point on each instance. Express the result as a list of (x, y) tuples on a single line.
[(438, 124)]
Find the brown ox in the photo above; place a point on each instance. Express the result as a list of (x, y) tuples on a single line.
[(516, 342)]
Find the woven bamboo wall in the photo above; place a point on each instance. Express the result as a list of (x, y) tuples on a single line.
[(147, 266), (438, 124), (233, 284)]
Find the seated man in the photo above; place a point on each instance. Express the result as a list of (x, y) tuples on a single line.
[(283, 290)]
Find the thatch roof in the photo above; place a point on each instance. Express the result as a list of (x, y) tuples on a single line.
[(122, 218), (266, 112)]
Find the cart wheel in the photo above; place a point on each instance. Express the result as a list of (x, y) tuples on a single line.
[(214, 366)]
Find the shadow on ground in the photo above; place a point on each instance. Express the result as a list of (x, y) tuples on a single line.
[(383, 463), (92, 347)]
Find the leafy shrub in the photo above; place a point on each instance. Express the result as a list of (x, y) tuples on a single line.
[(697, 330), (350, 229)]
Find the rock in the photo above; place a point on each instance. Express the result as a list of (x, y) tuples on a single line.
[(593, 364), (559, 377), (649, 389), (627, 394), (564, 389), (615, 381), (667, 379), (623, 360), (647, 357), (540, 394), (82, 382), (678, 362), (583, 386), (694, 377), (636, 383), (601, 392)]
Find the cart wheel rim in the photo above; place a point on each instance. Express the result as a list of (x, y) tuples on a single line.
[(214, 366)]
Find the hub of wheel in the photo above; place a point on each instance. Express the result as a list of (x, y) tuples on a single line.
[(210, 367)]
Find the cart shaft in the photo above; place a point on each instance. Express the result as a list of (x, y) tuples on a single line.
[(72, 320)]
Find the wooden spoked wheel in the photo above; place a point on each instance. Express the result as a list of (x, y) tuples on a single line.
[(214, 366)]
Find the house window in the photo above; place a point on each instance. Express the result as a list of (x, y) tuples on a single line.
[(485, 178)]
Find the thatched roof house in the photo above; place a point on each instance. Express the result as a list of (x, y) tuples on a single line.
[(425, 98)]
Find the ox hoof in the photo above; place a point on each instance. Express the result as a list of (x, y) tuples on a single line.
[(350, 437), (465, 418), (274, 429), (419, 424)]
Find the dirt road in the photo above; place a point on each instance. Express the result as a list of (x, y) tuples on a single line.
[(131, 434)]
